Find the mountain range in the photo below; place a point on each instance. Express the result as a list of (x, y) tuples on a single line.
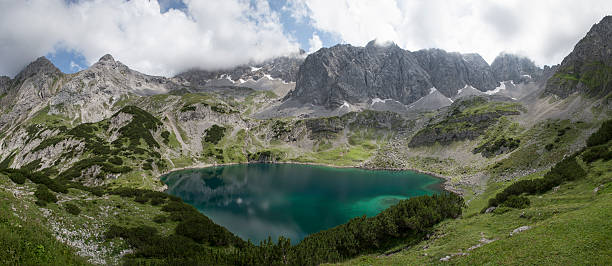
[(110, 131)]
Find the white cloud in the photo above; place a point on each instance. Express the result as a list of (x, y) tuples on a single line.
[(545, 31), (297, 9), (314, 43), (214, 34), (74, 66)]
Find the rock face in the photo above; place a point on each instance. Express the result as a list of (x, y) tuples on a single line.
[(450, 72), (33, 85), (519, 69), (588, 68), (5, 83), (344, 73)]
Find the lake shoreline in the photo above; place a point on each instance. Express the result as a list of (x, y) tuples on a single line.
[(443, 185)]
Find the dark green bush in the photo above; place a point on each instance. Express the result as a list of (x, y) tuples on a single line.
[(601, 136), (6, 163), (214, 134), (166, 136), (140, 127), (549, 146), (492, 148), (40, 178), (202, 230), (188, 108), (147, 166), (141, 199), (72, 209), (160, 219), (566, 170), (16, 177), (595, 153), (115, 160), (32, 166), (44, 196), (517, 202)]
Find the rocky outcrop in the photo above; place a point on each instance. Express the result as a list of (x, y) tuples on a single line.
[(519, 69), (344, 73), (329, 127), (588, 68), (450, 72), (466, 119)]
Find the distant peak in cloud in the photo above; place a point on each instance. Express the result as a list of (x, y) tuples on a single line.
[(381, 43)]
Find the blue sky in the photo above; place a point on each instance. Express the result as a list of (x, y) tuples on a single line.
[(71, 61)]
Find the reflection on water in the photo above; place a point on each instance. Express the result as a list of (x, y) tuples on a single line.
[(255, 201)]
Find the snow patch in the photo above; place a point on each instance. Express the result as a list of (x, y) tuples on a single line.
[(501, 87), (253, 69), (345, 104), (432, 90), (377, 100), (228, 77)]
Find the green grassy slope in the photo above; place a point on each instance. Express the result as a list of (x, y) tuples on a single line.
[(568, 226), (24, 237)]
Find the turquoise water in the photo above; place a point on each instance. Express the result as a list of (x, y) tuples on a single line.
[(255, 201)]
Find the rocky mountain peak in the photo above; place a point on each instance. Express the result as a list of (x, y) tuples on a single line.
[(513, 67), (107, 63), (588, 67), (107, 57), (344, 73), (40, 66), (376, 44)]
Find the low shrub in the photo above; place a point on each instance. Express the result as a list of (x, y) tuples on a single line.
[(214, 134), (72, 209), (17, 177), (44, 196), (601, 136), (595, 153), (160, 219), (566, 170), (517, 202)]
